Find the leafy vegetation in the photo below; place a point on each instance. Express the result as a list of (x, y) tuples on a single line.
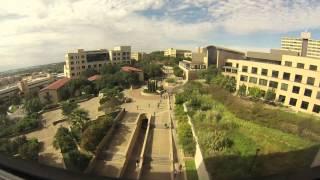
[(21, 147), (191, 169), (252, 144), (32, 105)]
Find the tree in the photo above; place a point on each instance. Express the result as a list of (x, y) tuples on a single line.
[(30, 150), (33, 105), (63, 140), (177, 71), (68, 107), (89, 72), (242, 90), (255, 92), (270, 95), (186, 138), (79, 118), (110, 105)]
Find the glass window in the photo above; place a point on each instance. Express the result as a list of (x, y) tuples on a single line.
[(253, 80), (286, 76), (296, 89), (82, 61), (82, 56), (72, 68), (304, 105), (264, 72), (243, 78), (293, 102), (244, 68), (275, 74), (263, 82), (318, 95), (282, 98), (300, 65), (313, 67), (288, 63), (83, 67), (284, 86), (254, 70), (71, 57), (298, 78), (273, 84), (316, 108), (71, 62), (308, 92), (310, 80), (72, 74)]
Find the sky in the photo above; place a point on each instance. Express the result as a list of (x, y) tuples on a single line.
[(37, 32)]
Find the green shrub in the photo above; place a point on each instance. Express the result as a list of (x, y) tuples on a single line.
[(76, 161)]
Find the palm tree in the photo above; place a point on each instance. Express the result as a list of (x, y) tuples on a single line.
[(79, 118)]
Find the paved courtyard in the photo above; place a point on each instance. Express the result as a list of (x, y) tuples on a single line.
[(49, 155)]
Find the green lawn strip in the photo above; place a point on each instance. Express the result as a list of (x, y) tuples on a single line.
[(191, 169)]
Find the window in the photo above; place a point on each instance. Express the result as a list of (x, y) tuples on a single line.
[(82, 61), (89, 66), (264, 72), (298, 78), (273, 84), (275, 74), (253, 80), (284, 86), (72, 74), (94, 65), (244, 68), (100, 65), (254, 70), (316, 108), (282, 98), (82, 56), (71, 62), (304, 105), (288, 63), (243, 78), (313, 67), (71, 57), (296, 89), (310, 80), (72, 68), (286, 76), (83, 67), (300, 65), (318, 95), (237, 65), (308, 92), (263, 82), (293, 102)]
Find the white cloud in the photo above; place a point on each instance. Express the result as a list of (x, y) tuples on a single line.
[(41, 31)]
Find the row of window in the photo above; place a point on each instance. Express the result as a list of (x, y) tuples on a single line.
[(304, 104), (275, 74), (301, 65), (77, 57), (123, 53), (274, 84)]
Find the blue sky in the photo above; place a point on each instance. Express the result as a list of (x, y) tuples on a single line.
[(41, 31)]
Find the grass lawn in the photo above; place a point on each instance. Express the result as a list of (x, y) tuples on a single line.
[(236, 147), (191, 169)]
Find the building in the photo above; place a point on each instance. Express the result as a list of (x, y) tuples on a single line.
[(138, 56), (27, 85), (295, 79), (82, 60), (129, 69), (50, 94), (304, 45), (204, 57), (171, 52), (187, 55)]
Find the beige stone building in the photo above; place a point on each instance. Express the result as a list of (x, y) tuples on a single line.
[(50, 94), (77, 62), (295, 79), (304, 45), (171, 52), (204, 57), (138, 56)]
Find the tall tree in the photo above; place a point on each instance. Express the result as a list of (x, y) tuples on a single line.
[(79, 118), (68, 107)]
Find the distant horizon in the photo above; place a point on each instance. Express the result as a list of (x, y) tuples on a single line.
[(46, 30)]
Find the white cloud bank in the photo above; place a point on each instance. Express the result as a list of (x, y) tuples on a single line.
[(41, 31)]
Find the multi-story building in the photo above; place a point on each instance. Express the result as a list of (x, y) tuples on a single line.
[(304, 45), (204, 57), (171, 52), (294, 79), (187, 55), (82, 60), (138, 56), (27, 85)]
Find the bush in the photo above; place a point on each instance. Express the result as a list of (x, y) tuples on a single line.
[(76, 161), (94, 133), (64, 140)]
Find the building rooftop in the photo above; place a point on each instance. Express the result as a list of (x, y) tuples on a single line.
[(94, 77), (130, 69), (57, 84)]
